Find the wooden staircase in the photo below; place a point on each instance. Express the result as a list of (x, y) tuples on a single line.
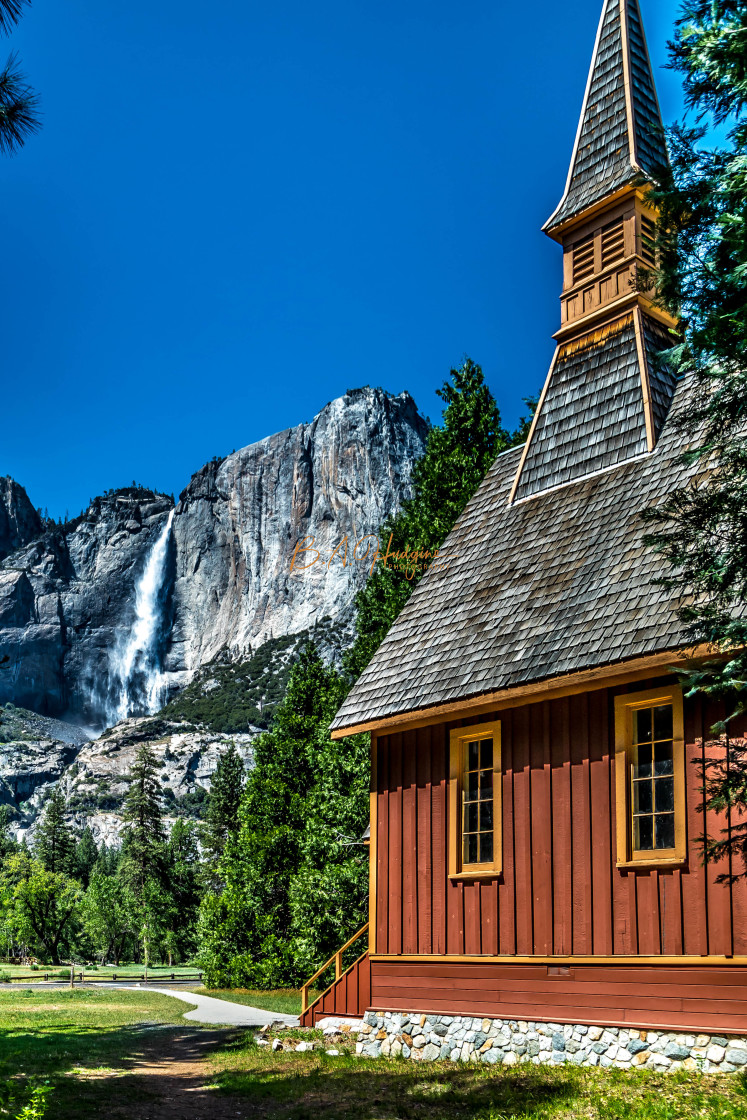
[(348, 994)]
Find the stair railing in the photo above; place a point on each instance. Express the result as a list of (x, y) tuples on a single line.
[(336, 958)]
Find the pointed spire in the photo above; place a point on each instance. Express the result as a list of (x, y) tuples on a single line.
[(620, 134)]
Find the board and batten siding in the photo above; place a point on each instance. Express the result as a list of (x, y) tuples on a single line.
[(560, 892)]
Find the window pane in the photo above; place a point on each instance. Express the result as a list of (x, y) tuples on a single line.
[(663, 722), (642, 799), (473, 754), (643, 834), (486, 754), (486, 815), (470, 848), (486, 847), (643, 766), (664, 795), (642, 726), (470, 816), (664, 758), (665, 831), (472, 783), (486, 784)]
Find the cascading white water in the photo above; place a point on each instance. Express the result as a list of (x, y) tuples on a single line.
[(136, 683)]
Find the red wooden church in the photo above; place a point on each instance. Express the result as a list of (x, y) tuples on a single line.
[(536, 796)]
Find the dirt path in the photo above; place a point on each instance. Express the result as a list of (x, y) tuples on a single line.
[(168, 1081)]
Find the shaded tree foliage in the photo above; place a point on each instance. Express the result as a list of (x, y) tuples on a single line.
[(458, 455), (54, 842), (294, 883), (701, 528)]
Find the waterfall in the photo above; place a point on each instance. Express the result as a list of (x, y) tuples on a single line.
[(136, 682)]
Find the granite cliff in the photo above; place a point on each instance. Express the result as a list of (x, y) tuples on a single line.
[(105, 618)]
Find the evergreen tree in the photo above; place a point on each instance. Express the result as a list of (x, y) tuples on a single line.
[(458, 455), (143, 834), (86, 856), (222, 813), (183, 876), (7, 844), (54, 842), (301, 783), (19, 105), (701, 528)]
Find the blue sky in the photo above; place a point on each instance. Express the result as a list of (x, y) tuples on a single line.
[(235, 213)]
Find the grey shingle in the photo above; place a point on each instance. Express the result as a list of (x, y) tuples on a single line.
[(551, 585), (603, 160)]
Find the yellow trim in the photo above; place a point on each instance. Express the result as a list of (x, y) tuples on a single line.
[(373, 867), (457, 740), (625, 706), (621, 959), (552, 688), (648, 408), (628, 83)]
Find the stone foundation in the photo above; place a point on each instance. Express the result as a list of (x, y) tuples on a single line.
[(457, 1038)]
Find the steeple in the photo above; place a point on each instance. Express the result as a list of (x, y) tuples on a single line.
[(606, 397), (620, 134)]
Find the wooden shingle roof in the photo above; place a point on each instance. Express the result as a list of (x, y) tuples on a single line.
[(592, 413), (554, 584), (620, 134)]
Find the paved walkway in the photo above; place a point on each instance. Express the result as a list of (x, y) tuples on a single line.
[(218, 1011)]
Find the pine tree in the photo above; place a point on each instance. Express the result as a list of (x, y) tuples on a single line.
[(458, 455), (222, 813), (701, 528), (19, 105), (143, 834), (183, 875), (54, 842), (7, 844), (250, 932), (86, 856)]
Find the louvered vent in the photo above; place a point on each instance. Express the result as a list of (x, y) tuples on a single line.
[(613, 243), (648, 241), (583, 260)]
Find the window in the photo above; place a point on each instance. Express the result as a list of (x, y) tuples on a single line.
[(648, 241), (650, 778), (583, 260), (475, 800), (613, 242)]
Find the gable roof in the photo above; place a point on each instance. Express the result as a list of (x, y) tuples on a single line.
[(553, 584), (620, 134)]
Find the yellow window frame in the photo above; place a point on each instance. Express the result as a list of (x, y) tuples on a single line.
[(626, 706), (458, 740)]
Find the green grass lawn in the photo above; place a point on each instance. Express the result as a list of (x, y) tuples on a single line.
[(102, 972), (289, 1086), (44, 1035), (286, 1001), (92, 1046)]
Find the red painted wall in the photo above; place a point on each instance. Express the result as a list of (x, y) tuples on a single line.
[(560, 891)]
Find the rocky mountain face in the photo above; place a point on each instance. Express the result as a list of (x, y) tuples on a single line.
[(238, 522), (66, 597), (96, 782), (106, 617), (19, 521)]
